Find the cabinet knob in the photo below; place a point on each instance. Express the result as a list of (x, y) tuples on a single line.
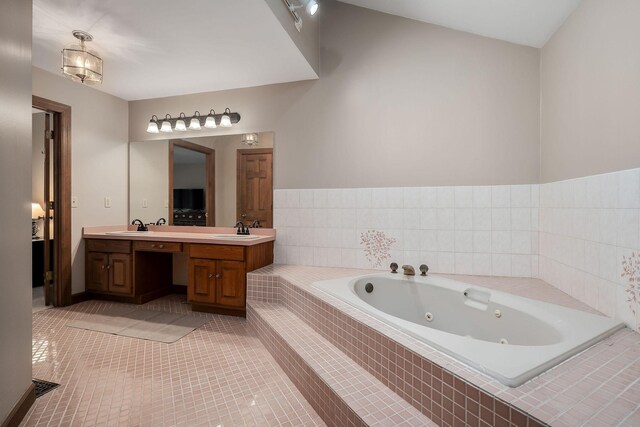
[(218, 276), (210, 275), (153, 245), (103, 267), (161, 246), (108, 266)]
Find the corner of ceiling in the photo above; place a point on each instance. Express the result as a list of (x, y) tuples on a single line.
[(307, 40)]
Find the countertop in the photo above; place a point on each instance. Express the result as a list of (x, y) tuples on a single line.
[(164, 233)]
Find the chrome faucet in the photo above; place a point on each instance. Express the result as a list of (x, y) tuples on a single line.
[(141, 226), (408, 270)]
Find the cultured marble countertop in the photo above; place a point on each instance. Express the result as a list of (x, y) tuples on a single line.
[(165, 233)]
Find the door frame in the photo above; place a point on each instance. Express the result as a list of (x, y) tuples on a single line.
[(210, 195), (61, 196), (241, 152)]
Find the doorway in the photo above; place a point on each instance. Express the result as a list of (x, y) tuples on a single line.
[(255, 186), (191, 184), (54, 208)]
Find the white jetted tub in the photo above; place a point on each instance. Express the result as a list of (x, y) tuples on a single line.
[(507, 337)]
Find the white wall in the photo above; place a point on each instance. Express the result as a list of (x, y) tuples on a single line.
[(399, 103), (588, 227), (591, 92), (99, 158), (15, 193)]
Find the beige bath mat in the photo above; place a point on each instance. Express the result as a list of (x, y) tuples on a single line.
[(143, 324)]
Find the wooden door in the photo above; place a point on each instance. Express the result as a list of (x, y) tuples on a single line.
[(255, 186), (230, 288), (120, 274), (48, 277), (202, 281), (97, 271)]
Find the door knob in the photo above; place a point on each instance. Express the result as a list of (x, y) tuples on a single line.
[(218, 276)]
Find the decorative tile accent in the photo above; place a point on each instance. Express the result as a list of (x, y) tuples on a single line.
[(376, 246), (432, 225), (589, 229)]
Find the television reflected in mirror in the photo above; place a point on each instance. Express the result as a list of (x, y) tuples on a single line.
[(203, 181)]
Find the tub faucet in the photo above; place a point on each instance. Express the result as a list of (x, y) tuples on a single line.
[(408, 270)]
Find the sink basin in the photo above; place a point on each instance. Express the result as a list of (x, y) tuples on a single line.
[(126, 232), (234, 236)]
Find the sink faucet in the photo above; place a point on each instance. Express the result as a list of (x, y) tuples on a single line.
[(161, 221), (141, 226), (242, 229), (255, 224), (408, 270)]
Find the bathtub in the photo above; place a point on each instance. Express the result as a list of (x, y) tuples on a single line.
[(507, 337)]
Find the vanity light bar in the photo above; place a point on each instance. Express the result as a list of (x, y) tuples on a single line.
[(195, 122)]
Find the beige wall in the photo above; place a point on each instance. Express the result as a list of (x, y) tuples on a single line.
[(99, 157), (306, 40), (590, 85), (149, 179), (399, 103), (15, 193)]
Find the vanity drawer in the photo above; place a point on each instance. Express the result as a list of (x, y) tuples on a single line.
[(157, 246), (109, 246), (228, 252)]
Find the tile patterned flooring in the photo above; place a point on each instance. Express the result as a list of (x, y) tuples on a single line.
[(218, 375)]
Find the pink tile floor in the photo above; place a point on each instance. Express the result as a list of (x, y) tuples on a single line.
[(218, 375)]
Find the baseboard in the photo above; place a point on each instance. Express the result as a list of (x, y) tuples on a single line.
[(80, 297), (179, 289), (22, 407)]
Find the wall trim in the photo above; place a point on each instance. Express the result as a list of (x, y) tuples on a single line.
[(22, 407)]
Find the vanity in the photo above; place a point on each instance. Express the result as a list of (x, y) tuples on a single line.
[(126, 265)]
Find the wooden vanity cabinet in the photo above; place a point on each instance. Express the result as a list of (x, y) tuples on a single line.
[(108, 267), (218, 275)]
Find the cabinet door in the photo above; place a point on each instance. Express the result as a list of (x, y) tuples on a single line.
[(97, 276), (120, 274), (231, 284), (202, 281)]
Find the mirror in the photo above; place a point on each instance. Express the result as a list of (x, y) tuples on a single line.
[(201, 181)]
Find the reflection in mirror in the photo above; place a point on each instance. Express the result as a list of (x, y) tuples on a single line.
[(242, 179), (191, 184)]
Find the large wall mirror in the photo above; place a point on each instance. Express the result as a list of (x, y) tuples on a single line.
[(204, 181)]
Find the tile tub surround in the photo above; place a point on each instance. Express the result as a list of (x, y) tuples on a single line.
[(598, 387), (481, 230), (588, 226), (220, 374)]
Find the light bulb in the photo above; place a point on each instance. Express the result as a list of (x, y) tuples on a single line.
[(210, 123), (153, 125), (180, 125), (194, 124), (312, 7), (225, 120)]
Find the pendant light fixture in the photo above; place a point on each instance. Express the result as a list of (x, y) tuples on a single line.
[(211, 121), (250, 139), (80, 64)]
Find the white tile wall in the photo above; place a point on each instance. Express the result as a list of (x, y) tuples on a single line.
[(484, 230), (587, 226)]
